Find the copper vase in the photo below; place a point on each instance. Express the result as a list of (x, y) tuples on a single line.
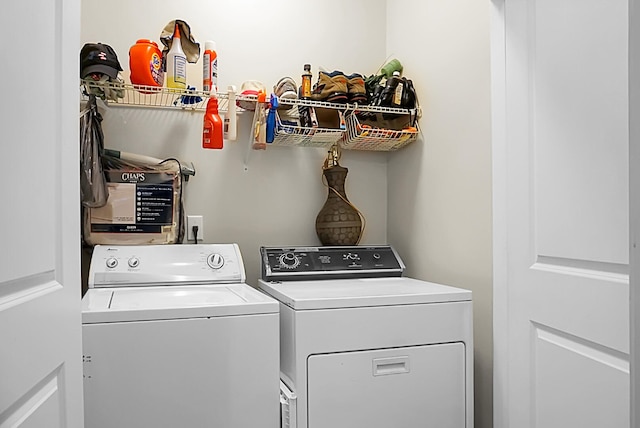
[(338, 222)]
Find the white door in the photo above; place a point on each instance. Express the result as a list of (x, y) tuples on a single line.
[(634, 202), (561, 213), (40, 325)]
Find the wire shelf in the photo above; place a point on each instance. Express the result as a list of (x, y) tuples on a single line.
[(349, 107), (161, 97), (294, 135), (365, 137), (357, 136), (122, 94)]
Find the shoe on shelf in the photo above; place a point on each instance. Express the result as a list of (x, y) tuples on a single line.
[(331, 87), (398, 92), (287, 89), (409, 97), (356, 89)]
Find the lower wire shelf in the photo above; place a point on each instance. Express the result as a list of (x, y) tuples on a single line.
[(372, 133), (360, 136), (289, 132)]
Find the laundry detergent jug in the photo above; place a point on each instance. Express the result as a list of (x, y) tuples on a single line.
[(145, 63)]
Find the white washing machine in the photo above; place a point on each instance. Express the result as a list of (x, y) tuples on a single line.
[(363, 347), (173, 337)]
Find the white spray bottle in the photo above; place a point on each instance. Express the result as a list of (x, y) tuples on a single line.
[(176, 63), (230, 127)]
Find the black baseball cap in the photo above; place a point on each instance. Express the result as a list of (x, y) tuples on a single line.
[(99, 58)]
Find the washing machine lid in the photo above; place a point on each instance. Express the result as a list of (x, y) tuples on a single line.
[(361, 292), (124, 304)]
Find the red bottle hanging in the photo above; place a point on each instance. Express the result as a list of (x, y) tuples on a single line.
[(213, 127)]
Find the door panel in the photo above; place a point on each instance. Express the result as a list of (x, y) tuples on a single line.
[(40, 326), (41, 407), (419, 386), (569, 372), (579, 130), (561, 189)]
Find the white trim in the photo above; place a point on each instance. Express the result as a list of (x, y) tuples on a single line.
[(67, 238), (499, 159), (634, 207)]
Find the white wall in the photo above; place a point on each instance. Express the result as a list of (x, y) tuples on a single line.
[(275, 200), (440, 187), (433, 197)]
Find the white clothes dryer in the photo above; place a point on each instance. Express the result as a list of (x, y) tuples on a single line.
[(363, 347), (173, 337)]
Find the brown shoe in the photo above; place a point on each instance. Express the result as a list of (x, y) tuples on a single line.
[(286, 89), (356, 89), (331, 87)]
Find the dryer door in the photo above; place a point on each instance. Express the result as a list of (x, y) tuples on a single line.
[(419, 386)]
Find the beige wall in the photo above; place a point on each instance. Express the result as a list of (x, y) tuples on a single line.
[(431, 200), (251, 197), (440, 187)]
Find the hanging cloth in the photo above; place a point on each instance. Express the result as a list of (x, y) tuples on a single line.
[(93, 184), (190, 47)]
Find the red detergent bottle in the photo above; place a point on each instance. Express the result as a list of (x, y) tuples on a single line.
[(213, 127)]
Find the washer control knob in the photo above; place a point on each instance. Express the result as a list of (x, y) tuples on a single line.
[(215, 261), (376, 256), (289, 261), (134, 262), (112, 262)]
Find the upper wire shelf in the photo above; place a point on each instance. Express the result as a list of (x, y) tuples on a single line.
[(129, 95), (124, 94)]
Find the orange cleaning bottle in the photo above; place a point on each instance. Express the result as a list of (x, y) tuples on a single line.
[(210, 68), (145, 63), (213, 126)]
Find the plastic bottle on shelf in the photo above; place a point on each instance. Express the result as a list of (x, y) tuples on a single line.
[(396, 101), (260, 130), (212, 130), (145, 63), (210, 67), (271, 118), (176, 63), (391, 95), (392, 66), (230, 120), (305, 88)]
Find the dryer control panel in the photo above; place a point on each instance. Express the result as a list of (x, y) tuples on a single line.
[(311, 263)]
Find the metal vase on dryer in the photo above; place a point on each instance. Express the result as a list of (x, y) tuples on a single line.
[(338, 222)]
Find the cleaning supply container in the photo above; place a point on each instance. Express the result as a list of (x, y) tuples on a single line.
[(176, 63), (213, 126), (230, 119), (145, 63), (210, 68)]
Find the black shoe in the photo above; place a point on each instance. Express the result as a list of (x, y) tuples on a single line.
[(408, 95)]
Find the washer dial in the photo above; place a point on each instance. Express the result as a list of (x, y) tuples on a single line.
[(215, 261), (288, 261)]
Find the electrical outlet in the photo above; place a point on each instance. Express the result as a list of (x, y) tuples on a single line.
[(195, 220)]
